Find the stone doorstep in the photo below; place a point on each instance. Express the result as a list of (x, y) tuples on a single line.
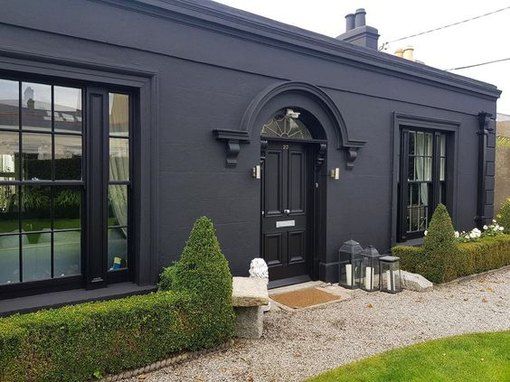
[(249, 292)]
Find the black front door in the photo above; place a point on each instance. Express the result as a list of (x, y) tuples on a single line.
[(286, 187)]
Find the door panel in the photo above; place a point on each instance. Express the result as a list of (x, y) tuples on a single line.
[(285, 231)]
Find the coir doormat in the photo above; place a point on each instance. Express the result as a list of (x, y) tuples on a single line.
[(304, 298)]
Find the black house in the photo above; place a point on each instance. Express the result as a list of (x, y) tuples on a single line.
[(122, 121)]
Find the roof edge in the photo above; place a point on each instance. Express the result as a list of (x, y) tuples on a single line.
[(212, 15)]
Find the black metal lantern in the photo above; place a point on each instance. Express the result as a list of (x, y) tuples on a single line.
[(349, 264), (370, 269), (389, 277)]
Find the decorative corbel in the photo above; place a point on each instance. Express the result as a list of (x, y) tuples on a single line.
[(321, 154), (233, 140), (351, 154)]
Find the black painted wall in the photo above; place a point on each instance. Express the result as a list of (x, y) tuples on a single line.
[(205, 71)]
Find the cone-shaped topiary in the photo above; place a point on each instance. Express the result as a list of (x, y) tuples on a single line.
[(503, 216), (203, 272), (440, 247), (441, 235)]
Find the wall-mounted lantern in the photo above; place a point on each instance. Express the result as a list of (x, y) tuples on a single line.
[(255, 172), (334, 173), (370, 269), (389, 276), (349, 264)]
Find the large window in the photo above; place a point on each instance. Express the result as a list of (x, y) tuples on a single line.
[(41, 186), (45, 224), (423, 180)]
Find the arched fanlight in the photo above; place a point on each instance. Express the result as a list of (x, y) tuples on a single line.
[(286, 124)]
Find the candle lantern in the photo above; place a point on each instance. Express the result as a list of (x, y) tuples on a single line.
[(389, 276), (349, 264), (370, 269)]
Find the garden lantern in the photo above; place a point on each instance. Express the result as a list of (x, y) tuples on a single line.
[(349, 264), (389, 276), (370, 269)]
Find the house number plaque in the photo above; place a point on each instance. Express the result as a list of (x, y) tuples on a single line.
[(285, 223)]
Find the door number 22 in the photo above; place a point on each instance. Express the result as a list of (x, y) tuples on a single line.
[(285, 147)]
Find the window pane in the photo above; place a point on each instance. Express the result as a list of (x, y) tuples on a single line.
[(36, 106), (418, 168), (442, 169), (119, 114), (420, 143), (9, 155), (9, 259), (119, 159), (67, 109), (66, 207), (427, 169), (36, 250), (410, 173), (117, 205), (36, 208), (36, 159), (117, 249), (412, 142), (428, 144), (9, 104), (67, 253), (9, 209), (68, 153), (443, 145), (413, 194)]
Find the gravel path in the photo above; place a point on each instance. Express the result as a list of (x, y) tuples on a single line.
[(297, 345)]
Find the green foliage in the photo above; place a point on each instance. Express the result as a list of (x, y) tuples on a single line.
[(503, 216), (204, 272), (471, 357), (491, 252), (441, 235), (87, 341)]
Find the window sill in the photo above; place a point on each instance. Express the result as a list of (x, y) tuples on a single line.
[(70, 297)]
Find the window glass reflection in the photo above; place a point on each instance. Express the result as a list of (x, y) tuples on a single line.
[(9, 259), (9, 155), (66, 207), (117, 249), (36, 106), (36, 159), (67, 109), (67, 253), (9, 104), (119, 114), (9, 209), (68, 153), (36, 249), (119, 159), (35, 208)]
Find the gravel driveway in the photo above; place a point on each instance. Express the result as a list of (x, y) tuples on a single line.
[(300, 344)]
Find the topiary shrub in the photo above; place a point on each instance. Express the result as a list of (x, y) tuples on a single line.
[(203, 271), (503, 216), (439, 248)]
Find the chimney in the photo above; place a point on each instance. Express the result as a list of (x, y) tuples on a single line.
[(357, 32)]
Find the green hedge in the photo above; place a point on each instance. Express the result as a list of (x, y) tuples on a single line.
[(469, 258), (78, 343)]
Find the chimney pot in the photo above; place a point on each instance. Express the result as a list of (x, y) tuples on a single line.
[(359, 18), (349, 22)]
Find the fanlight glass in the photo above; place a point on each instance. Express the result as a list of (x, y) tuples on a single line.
[(285, 124)]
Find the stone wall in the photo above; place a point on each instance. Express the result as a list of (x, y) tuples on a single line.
[(502, 190)]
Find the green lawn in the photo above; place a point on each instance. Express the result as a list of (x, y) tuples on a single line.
[(474, 357)]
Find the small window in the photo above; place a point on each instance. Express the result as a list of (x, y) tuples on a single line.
[(286, 124)]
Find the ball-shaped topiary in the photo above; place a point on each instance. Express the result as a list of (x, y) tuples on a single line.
[(203, 272), (503, 216)]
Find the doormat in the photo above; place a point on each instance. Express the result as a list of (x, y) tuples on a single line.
[(304, 298)]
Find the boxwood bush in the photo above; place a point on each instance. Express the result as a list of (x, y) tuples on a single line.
[(78, 343), (490, 252), (504, 216)]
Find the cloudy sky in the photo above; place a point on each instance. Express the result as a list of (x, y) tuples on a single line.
[(482, 40)]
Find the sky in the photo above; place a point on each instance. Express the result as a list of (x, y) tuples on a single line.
[(473, 42)]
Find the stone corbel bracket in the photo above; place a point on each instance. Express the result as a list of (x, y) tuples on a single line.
[(351, 154), (233, 140)]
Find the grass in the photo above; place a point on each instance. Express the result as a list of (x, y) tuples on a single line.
[(473, 357)]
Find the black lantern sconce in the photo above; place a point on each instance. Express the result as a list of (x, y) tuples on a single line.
[(390, 277), (370, 269), (349, 265)]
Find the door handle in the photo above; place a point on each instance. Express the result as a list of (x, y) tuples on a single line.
[(286, 212)]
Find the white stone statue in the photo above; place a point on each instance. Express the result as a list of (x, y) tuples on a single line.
[(258, 268)]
